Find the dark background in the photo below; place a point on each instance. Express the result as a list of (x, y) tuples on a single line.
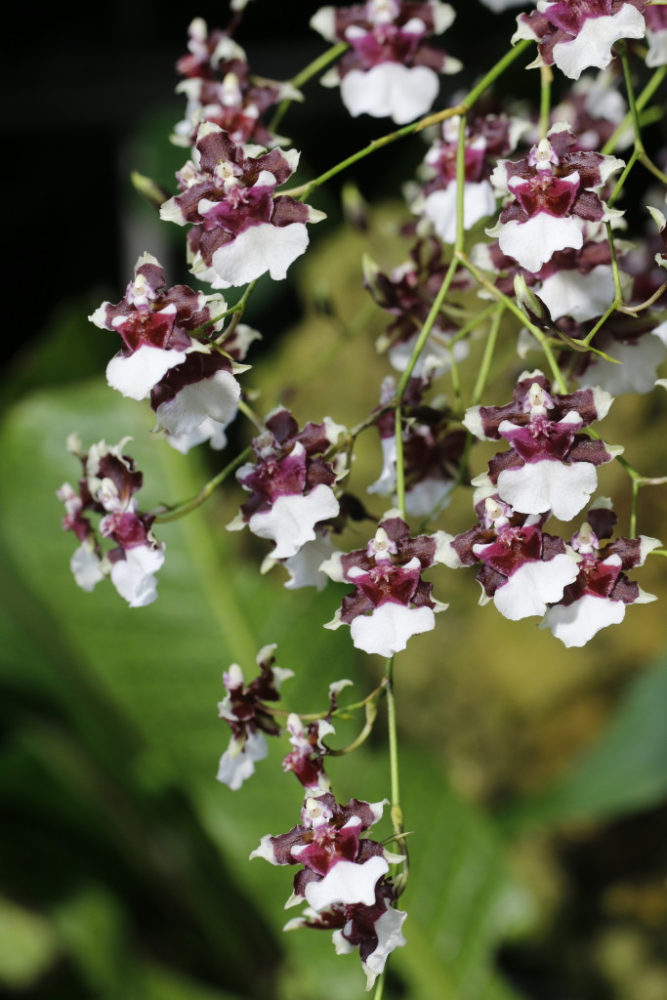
[(84, 86)]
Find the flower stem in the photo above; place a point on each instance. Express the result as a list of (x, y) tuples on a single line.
[(309, 71), (519, 313), (634, 114), (487, 357), (173, 513), (546, 79), (640, 103), (396, 810)]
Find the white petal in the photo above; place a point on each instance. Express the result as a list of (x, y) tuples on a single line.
[(443, 15), (386, 483), (534, 585), (304, 568), (387, 629), (637, 371), (208, 430), (216, 397), (541, 486), (390, 90), (426, 494), (133, 576), (575, 624), (657, 48), (255, 251), (592, 46), (434, 360), (440, 207), (347, 883), (388, 930), (324, 22), (534, 242), (581, 296), (234, 768), (136, 375), (290, 522), (87, 568)]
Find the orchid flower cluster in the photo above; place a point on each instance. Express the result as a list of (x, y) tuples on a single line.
[(516, 237)]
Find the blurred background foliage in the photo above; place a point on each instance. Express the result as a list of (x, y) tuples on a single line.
[(535, 777)]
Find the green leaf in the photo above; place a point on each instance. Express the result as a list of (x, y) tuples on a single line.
[(28, 945), (625, 769)]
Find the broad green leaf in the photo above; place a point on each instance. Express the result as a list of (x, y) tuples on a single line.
[(624, 770)]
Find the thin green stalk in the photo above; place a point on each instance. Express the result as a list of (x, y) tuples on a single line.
[(642, 156), (624, 176), (311, 70), (519, 313), (633, 508), (395, 791), (428, 326), (430, 322), (487, 357), (181, 509), (640, 103), (546, 79), (466, 104), (493, 74), (618, 291), (379, 987), (600, 323), (400, 463), (472, 325)]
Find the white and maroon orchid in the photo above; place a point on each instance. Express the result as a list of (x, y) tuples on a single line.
[(601, 591), (375, 930), (577, 34), (243, 709), (107, 487), (240, 228), (390, 602), (219, 89), (488, 137), (389, 70), (167, 354), (290, 482), (523, 569), (556, 194), (551, 465), (340, 866)]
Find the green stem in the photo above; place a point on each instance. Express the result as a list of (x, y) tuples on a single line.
[(519, 313), (618, 291), (379, 988), (600, 323), (640, 103), (633, 508), (430, 321), (622, 179), (400, 464), (472, 324), (546, 79), (465, 105), (311, 70), (395, 791), (642, 156), (487, 357), (181, 509)]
